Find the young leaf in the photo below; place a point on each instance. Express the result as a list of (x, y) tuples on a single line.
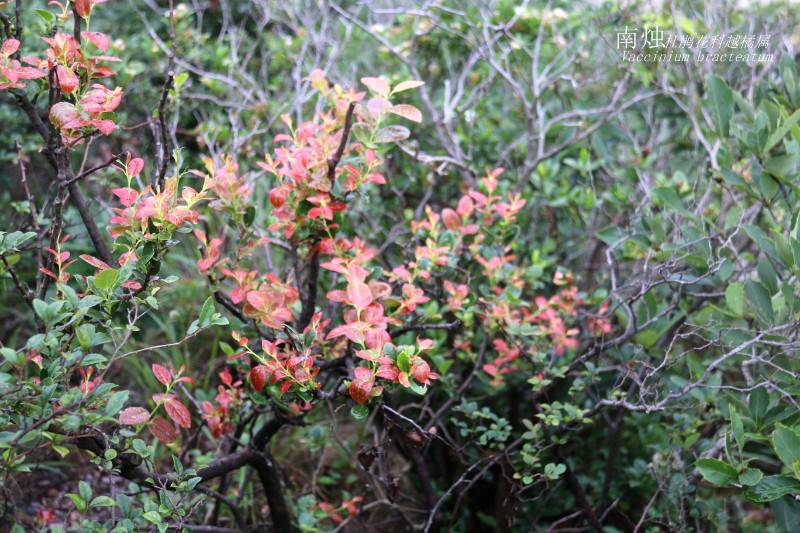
[(178, 412), (406, 85), (161, 374), (258, 377)]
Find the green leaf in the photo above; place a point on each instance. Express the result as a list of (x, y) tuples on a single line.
[(403, 362), (738, 429), (750, 476), (105, 279), (734, 297), (787, 446), (786, 512), (781, 131), (85, 490), (773, 487), (720, 104), (359, 412), (103, 501), (116, 402), (767, 275), (761, 300), (717, 472), (45, 15), (80, 503), (206, 312), (249, 216), (759, 401)]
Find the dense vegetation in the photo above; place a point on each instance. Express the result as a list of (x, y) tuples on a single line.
[(440, 266)]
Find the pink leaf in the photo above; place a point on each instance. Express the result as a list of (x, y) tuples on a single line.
[(161, 374), (126, 195), (407, 111), (106, 127), (135, 166), (100, 40), (359, 294), (178, 412), (95, 262), (377, 85), (65, 116), (133, 416), (9, 47)]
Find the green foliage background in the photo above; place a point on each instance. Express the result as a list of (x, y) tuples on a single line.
[(669, 190)]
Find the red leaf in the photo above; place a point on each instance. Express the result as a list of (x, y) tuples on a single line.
[(359, 390), (100, 40), (178, 412), (67, 79), (359, 294), (258, 377), (83, 7), (161, 374), (95, 262), (163, 430), (133, 416)]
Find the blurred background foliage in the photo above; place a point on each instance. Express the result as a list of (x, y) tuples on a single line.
[(634, 185)]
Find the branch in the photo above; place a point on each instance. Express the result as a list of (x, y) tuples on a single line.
[(162, 148), (115, 159), (337, 157), (422, 327)]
